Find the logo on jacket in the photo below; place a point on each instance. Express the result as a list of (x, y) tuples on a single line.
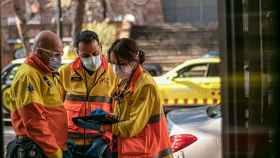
[(76, 77), (30, 87), (49, 83)]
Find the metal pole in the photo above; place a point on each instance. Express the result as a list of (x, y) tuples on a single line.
[(1, 113), (59, 20), (1, 133), (201, 11)]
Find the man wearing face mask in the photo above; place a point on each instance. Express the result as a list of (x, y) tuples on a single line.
[(88, 83), (37, 112)]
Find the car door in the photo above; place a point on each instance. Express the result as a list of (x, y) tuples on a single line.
[(7, 77), (213, 77), (205, 75)]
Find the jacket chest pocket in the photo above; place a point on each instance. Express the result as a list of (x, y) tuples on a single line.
[(77, 86), (100, 89), (73, 110)]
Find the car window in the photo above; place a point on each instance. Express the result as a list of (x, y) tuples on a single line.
[(214, 70), (10, 74), (4, 76), (199, 70)]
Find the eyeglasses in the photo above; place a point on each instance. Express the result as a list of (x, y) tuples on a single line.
[(53, 53), (125, 66)]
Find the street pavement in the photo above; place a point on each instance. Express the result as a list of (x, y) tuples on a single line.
[(9, 134)]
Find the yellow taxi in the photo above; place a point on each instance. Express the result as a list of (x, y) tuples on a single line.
[(194, 82)]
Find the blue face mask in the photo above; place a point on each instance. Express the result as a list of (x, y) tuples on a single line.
[(92, 63), (54, 61)]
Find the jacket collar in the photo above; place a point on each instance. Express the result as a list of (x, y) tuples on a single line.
[(36, 62), (135, 77)]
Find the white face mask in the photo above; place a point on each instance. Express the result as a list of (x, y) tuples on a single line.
[(92, 63), (123, 72)]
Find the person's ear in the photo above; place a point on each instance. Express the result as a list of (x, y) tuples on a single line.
[(43, 55), (40, 53)]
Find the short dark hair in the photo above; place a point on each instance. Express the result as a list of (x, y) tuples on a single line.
[(85, 37)]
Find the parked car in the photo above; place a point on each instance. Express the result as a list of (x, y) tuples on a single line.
[(153, 69), (194, 82), (195, 132)]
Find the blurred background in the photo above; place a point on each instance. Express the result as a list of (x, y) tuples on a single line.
[(169, 31), (215, 63)]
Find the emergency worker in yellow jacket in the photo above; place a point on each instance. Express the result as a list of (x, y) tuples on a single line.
[(142, 130), (37, 110), (88, 83)]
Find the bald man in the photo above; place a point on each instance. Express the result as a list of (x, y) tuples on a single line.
[(37, 112)]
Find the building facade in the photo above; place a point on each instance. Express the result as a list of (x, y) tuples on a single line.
[(169, 20)]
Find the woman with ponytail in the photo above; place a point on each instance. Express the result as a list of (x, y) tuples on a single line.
[(142, 130)]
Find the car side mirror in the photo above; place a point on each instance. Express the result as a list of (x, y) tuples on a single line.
[(214, 111)]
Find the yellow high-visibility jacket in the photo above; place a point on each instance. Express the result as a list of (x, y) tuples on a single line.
[(37, 109), (142, 130), (85, 93)]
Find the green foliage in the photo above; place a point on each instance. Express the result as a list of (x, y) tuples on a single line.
[(106, 32)]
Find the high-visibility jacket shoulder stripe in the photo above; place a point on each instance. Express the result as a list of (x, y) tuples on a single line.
[(155, 118), (101, 99)]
